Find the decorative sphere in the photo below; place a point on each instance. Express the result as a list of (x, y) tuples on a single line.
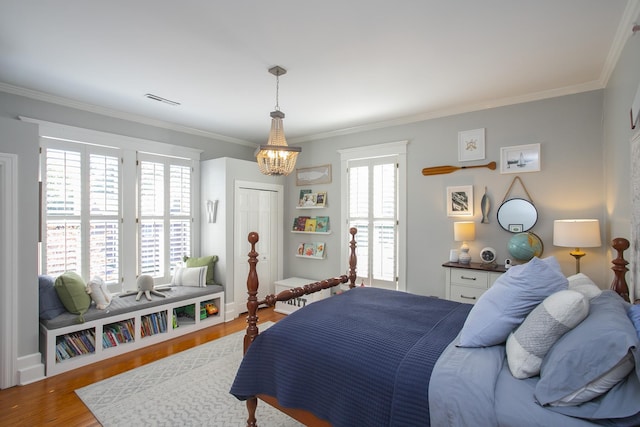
[(145, 283), (524, 246)]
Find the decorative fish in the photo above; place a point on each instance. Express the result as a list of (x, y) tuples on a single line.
[(484, 207)]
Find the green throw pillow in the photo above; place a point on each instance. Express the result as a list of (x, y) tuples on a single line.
[(72, 292), (205, 261)]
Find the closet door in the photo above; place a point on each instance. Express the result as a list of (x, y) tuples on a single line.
[(256, 209)]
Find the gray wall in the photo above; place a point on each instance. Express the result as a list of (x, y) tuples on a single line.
[(621, 89), (18, 138), (570, 184)]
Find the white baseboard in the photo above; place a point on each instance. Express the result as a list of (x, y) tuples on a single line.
[(229, 312), (30, 369)]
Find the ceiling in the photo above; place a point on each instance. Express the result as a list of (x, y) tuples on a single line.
[(352, 65)]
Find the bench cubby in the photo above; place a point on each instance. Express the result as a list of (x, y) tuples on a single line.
[(126, 325)]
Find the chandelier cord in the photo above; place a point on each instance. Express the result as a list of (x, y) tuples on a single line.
[(277, 91)]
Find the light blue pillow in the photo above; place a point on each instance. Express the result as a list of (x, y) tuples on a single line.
[(634, 315), (504, 306), (589, 354)]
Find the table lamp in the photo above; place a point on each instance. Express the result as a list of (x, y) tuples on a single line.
[(464, 232), (576, 233)]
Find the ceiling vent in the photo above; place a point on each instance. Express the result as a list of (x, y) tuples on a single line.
[(161, 99)]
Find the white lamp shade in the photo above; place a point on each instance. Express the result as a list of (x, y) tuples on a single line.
[(464, 231), (576, 233)]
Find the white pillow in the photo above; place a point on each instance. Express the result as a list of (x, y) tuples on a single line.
[(99, 293), (551, 319), (190, 276), (582, 283)]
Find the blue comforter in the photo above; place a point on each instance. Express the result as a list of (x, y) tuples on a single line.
[(367, 362)]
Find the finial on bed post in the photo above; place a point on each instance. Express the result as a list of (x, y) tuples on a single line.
[(619, 268), (353, 259), (252, 290)]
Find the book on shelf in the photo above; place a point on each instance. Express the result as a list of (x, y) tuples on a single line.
[(300, 250), (310, 225), (309, 249), (319, 249), (301, 222), (322, 224)]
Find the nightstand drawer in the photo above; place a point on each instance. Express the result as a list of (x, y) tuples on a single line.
[(466, 277), (465, 294)]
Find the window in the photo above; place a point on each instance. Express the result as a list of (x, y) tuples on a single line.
[(114, 210), (163, 219), (82, 211), (373, 202)]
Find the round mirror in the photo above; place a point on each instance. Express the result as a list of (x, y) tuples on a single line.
[(517, 215)]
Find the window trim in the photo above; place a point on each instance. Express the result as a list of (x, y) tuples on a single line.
[(398, 149), (129, 147)]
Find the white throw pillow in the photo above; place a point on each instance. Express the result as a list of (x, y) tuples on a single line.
[(99, 293), (551, 319), (582, 283), (190, 276)]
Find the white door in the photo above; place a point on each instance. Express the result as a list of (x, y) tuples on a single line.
[(256, 209)]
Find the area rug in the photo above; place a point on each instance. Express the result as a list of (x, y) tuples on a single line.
[(190, 388)]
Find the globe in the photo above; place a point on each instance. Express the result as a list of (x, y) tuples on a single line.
[(524, 246)]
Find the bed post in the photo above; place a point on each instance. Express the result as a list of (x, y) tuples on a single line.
[(619, 268), (252, 317), (252, 290), (353, 259)]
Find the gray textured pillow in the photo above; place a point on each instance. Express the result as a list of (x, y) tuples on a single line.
[(550, 320), (589, 353)]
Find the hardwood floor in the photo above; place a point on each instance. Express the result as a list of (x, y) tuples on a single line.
[(52, 401)]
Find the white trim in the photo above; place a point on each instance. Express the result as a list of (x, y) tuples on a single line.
[(75, 134), (9, 268), (30, 369), (398, 149)]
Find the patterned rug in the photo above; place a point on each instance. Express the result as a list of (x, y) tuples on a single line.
[(190, 388)]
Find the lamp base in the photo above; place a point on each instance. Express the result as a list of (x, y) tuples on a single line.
[(577, 254), (464, 257)]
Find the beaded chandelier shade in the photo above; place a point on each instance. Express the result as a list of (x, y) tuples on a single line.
[(277, 158)]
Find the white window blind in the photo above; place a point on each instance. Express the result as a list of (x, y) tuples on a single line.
[(165, 221), (373, 211), (82, 210)]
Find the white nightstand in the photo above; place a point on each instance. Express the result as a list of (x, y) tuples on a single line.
[(288, 307), (466, 282)]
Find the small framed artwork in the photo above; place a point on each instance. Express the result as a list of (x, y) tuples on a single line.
[(313, 175), (520, 158), (471, 145), (321, 198), (515, 228), (460, 201)]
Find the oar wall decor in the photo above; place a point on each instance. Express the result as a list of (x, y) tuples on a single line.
[(440, 170)]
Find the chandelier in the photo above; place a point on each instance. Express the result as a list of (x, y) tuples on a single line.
[(277, 158)]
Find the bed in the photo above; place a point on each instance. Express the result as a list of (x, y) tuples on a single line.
[(385, 358)]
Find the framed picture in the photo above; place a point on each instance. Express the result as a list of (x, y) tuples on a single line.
[(471, 145), (313, 175), (515, 228), (321, 198), (460, 201), (520, 158), (305, 196)]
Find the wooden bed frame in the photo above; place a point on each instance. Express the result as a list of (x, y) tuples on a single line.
[(619, 285)]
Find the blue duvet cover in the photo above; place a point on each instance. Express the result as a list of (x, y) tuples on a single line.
[(360, 358)]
